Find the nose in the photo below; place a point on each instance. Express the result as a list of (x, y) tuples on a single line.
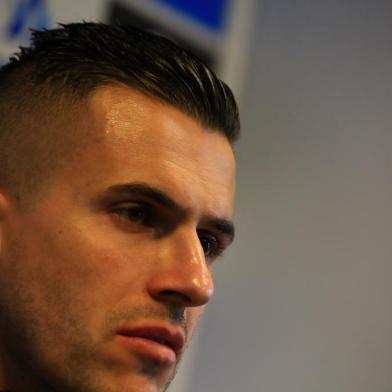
[(183, 277)]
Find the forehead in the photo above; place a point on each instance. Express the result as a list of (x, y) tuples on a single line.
[(137, 138)]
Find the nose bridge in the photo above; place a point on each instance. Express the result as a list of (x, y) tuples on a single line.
[(185, 278)]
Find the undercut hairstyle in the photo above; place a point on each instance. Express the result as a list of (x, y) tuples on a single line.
[(44, 82)]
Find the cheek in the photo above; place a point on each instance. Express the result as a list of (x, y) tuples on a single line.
[(102, 266), (61, 274)]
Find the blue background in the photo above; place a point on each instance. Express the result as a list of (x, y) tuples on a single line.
[(210, 13)]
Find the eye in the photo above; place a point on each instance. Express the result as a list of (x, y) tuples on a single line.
[(210, 244), (135, 213)]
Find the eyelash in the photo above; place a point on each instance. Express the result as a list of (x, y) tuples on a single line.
[(216, 249), (145, 216)]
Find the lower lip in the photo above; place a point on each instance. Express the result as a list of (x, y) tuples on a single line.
[(148, 349)]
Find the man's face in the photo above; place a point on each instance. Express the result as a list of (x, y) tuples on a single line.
[(103, 279)]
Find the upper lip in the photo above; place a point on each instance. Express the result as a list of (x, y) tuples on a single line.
[(169, 335)]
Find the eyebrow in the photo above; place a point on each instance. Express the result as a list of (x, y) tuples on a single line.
[(224, 226)]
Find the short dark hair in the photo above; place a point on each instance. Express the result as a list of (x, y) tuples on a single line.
[(82, 56), (65, 65)]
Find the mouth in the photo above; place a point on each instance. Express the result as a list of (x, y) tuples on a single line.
[(161, 343)]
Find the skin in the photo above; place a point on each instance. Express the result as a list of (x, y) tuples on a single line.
[(85, 260)]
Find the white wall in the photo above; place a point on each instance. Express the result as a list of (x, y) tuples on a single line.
[(304, 300)]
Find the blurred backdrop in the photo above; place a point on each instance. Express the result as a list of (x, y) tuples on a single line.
[(303, 299)]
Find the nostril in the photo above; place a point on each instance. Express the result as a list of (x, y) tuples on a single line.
[(174, 296)]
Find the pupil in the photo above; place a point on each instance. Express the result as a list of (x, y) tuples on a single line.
[(206, 245), (135, 214)]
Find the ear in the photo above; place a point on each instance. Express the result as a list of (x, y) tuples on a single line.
[(4, 207)]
